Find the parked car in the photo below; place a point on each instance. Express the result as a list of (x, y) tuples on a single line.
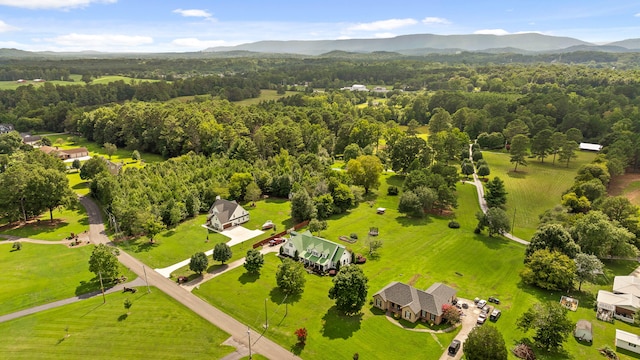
[(481, 304), (495, 315), (276, 241), (465, 305), (475, 301), (454, 347), (481, 319), (494, 300)]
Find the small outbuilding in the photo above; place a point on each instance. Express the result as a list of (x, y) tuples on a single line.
[(583, 331), (590, 147), (628, 341)]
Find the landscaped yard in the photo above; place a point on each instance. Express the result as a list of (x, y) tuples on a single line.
[(121, 155), (533, 188), (40, 274), (155, 327), (64, 223), (416, 251)]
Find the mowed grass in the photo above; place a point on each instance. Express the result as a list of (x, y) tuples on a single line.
[(121, 155), (265, 95), (535, 188), (40, 274), (155, 327), (79, 186), (12, 85), (64, 223), (415, 251)]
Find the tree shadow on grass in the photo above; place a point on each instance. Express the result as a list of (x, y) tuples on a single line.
[(335, 325), (248, 277), (168, 233), (216, 268), (277, 296), (297, 348), (493, 243), (517, 174), (409, 221), (87, 287), (123, 317)]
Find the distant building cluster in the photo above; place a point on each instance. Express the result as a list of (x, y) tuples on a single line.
[(358, 87)]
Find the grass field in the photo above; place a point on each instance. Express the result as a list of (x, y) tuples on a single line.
[(265, 95), (534, 188), (416, 251), (12, 85), (155, 327), (64, 223), (79, 186), (39, 274), (121, 155)]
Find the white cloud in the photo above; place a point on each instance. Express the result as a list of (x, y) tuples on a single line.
[(193, 13), (100, 40), (637, 15), (491, 32), (4, 27), (197, 43), (52, 4), (384, 35), (383, 25), (435, 21)]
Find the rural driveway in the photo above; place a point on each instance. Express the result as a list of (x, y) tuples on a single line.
[(469, 318), (236, 329), (483, 203)]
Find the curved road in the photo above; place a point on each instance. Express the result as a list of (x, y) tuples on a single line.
[(236, 329)]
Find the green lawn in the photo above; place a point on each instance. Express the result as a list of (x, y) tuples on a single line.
[(122, 155), (79, 186), (12, 85), (533, 188), (265, 95), (417, 251), (39, 274), (114, 78), (155, 327), (64, 223)]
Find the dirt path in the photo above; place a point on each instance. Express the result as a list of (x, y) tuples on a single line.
[(236, 329), (619, 184)]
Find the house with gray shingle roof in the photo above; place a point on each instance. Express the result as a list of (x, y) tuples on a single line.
[(225, 214), (5, 128), (321, 254), (413, 304)]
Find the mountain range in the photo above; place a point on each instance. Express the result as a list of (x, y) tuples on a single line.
[(420, 44)]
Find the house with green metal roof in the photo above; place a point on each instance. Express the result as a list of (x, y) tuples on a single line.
[(321, 254)]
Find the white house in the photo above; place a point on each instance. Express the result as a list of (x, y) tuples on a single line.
[(627, 285), (628, 341), (317, 252), (590, 147), (225, 214)]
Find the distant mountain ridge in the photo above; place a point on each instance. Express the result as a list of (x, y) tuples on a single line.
[(430, 43)]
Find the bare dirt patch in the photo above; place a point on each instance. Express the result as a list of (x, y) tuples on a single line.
[(413, 279), (619, 185)]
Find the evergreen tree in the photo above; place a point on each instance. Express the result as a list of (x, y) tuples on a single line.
[(518, 150), (496, 194)]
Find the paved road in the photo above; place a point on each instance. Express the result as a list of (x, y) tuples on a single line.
[(216, 317), (483, 203)]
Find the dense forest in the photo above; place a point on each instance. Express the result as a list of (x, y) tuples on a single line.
[(282, 147)]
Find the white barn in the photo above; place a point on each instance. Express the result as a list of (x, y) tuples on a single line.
[(590, 147)]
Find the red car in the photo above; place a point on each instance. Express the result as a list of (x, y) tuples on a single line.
[(276, 241)]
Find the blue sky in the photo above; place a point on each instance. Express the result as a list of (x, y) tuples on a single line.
[(179, 26)]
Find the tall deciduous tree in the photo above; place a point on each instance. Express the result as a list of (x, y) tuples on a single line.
[(104, 261), (598, 236), (365, 171), (519, 151), (568, 151), (551, 270), (484, 171), (541, 145), (349, 289), (253, 261), (550, 322), (302, 207), (553, 237), (110, 149), (222, 252), (199, 262), (252, 193), (485, 343), (495, 220), (588, 268), (467, 168), (290, 277), (557, 140), (405, 151), (514, 128), (92, 167), (440, 121)]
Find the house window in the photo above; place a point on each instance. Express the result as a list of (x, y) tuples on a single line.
[(378, 303), (632, 345), (407, 315), (433, 317)]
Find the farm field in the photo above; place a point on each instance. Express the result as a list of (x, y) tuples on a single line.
[(627, 185), (12, 85), (64, 223), (155, 327), (265, 95), (30, 280), (534, 188)]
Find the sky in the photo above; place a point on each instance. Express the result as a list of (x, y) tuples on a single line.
[(194, 25)]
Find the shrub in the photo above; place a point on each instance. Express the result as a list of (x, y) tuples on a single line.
[(454, 224), (354, 236), (17, 246), (302, 335), (392, 190)]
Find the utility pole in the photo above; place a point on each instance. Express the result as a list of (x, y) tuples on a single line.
[(145, 279), (249, 334), (104, 299), (266, 319)]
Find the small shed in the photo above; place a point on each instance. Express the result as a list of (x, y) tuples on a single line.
[(381, 210), (590, 147), (628, 341), (583, 331)]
